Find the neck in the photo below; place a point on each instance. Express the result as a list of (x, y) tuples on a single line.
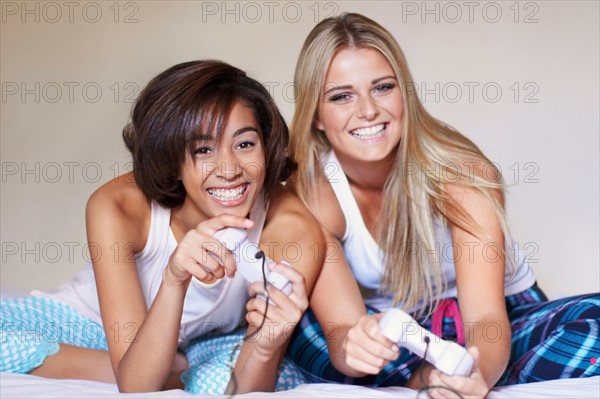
[(368, 175), (185, 217)]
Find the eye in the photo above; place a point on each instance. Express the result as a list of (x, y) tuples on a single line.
[(244, 145), (385, 87), (339, 97), (203, 150)]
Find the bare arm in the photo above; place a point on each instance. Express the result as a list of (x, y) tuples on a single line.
[(112, 221), (142, 342), (291, 234), (480, 268), (354, 340)]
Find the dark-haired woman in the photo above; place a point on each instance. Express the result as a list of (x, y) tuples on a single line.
[(208, 147)]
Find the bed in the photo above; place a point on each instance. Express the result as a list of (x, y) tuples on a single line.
[(28, 386)]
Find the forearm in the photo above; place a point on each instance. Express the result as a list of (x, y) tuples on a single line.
[(492, 337), (254, 371), (337, 352), (148, 360)]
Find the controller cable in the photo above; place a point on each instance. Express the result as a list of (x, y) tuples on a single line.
[(260, 255), (231, 365), (425, 388)]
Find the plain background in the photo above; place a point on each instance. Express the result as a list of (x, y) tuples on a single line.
[(518, 78)]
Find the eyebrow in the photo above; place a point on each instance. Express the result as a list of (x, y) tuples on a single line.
[(244, 130), (210, 137), (346, 87)]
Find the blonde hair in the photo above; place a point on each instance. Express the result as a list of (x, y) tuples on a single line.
[(411, 201)]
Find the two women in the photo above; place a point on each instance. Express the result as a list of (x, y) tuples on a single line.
[(387, 182)]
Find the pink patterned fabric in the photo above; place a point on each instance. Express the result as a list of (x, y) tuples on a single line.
[(447, 308)]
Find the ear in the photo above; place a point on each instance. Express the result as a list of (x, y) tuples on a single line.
[(317, 123)]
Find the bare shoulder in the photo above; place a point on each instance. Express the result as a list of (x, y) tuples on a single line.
[(121, 208), (465, 194), (477, 204), (288, 216), (292, 233)]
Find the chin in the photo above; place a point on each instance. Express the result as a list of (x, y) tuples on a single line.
[(375, 156)]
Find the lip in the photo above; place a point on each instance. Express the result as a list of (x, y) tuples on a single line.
[(229, 202), (374, 138)]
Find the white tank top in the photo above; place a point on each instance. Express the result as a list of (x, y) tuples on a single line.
[(366, 258), (206, 308)]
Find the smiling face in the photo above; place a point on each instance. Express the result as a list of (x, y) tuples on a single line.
[(225, 176), (361, 108)]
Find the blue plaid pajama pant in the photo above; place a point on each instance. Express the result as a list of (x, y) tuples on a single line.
[(550, 340)]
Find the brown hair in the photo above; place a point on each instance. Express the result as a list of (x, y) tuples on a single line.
[(192, 98)]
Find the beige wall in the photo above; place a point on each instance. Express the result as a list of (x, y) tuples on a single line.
[(520, 79)]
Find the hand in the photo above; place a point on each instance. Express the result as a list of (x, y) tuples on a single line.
[(366, 350), (281, 318), (199, 254), (473, 386)]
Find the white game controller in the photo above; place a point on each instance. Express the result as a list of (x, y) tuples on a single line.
[(448, 357), (249, 265)]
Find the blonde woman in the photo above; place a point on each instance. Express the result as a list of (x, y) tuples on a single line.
[(415, 211)]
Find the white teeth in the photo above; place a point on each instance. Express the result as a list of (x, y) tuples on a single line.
[(369, 132), (225, 194)]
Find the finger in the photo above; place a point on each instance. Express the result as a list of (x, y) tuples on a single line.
[(220, 254), (444, 392), (187, 258), (362, 366), (434, 378), (277, 298), (287, 271), (381, 350), (255, 304), (257, 287), (365, 356), (294, 276), (369, 325), (281, 312), (205, 261), (196, 250), (373, 329), (259, 312), (468, 387), (255, 318), (378, 316), (438, 388), (291, 307), (474, 352), (437, 392), (206, 278), (455, 384)]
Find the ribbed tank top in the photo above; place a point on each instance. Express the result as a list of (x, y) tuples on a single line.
[(366, 259), (220, 306)]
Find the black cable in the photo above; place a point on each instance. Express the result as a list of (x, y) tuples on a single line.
[(258, 255), (426, 388)]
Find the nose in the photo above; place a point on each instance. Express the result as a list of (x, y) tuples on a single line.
[(367, 108), (228, 166)]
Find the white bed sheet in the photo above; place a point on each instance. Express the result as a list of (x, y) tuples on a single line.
[(28, 386)]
